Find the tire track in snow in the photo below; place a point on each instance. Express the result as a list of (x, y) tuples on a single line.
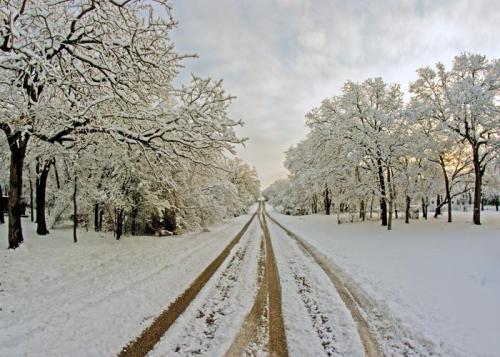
[(251, 339), (220, 305), (153, 333), (277, 337), (370, 344), (266, 316), (320, 321)]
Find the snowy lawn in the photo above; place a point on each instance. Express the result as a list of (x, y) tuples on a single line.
[(441, 280), (58, 298)]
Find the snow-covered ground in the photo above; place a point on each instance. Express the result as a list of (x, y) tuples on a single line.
[(440, 281), (58, 298)]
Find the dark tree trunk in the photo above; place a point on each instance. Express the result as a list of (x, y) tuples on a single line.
[(407, 213), (96, 217), (32, 209), (119, 223), (75, 213), (424, 208), (371, 208), (362, 213), (448, 198), (327, 200), (383, 203), (17, 143), (391, 198), (101, 214), (134, 221), (396, 210), (482, 204), (314, 205), (446, 186), (2, 220), (497, 202), (438, 206), (41, 188), (477, 186)]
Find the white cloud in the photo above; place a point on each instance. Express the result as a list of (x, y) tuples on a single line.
[(282, 57)]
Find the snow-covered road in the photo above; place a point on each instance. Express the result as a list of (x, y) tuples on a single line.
[(212, 320), (312, 308)]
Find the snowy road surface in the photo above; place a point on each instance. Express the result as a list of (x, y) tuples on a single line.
[(336, 291)]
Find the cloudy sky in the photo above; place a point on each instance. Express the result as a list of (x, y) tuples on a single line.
[(282, 57)]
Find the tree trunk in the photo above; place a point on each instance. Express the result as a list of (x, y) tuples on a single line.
[(389, 216), (437, 212), (424, 208), (446, 186), (101, 214), (32, 214), (96, 217), (314, 204), (17, 143), (497, 202), (327, 200), (407, 215), (75, 214), (371, 208), (2, 220), (134, 221), (362, 213), (119, 223), (383, 203), (41, 188), (477, 186), (448, 197)]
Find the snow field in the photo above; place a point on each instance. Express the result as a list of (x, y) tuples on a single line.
[(312, 308), (212, 320), (437, 283), (58, 298)]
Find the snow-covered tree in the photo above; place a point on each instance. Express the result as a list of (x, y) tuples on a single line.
[(465, 99), (83, 68)]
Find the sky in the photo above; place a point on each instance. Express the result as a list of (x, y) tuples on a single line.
[(281, 58)]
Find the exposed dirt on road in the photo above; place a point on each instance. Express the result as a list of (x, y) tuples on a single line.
[(220, 307), (277, 336), (252, 338), (152, 334), (266, 316), (370, 343)]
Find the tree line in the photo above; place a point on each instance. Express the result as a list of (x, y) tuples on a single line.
[(96, 130), (369, 149)]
